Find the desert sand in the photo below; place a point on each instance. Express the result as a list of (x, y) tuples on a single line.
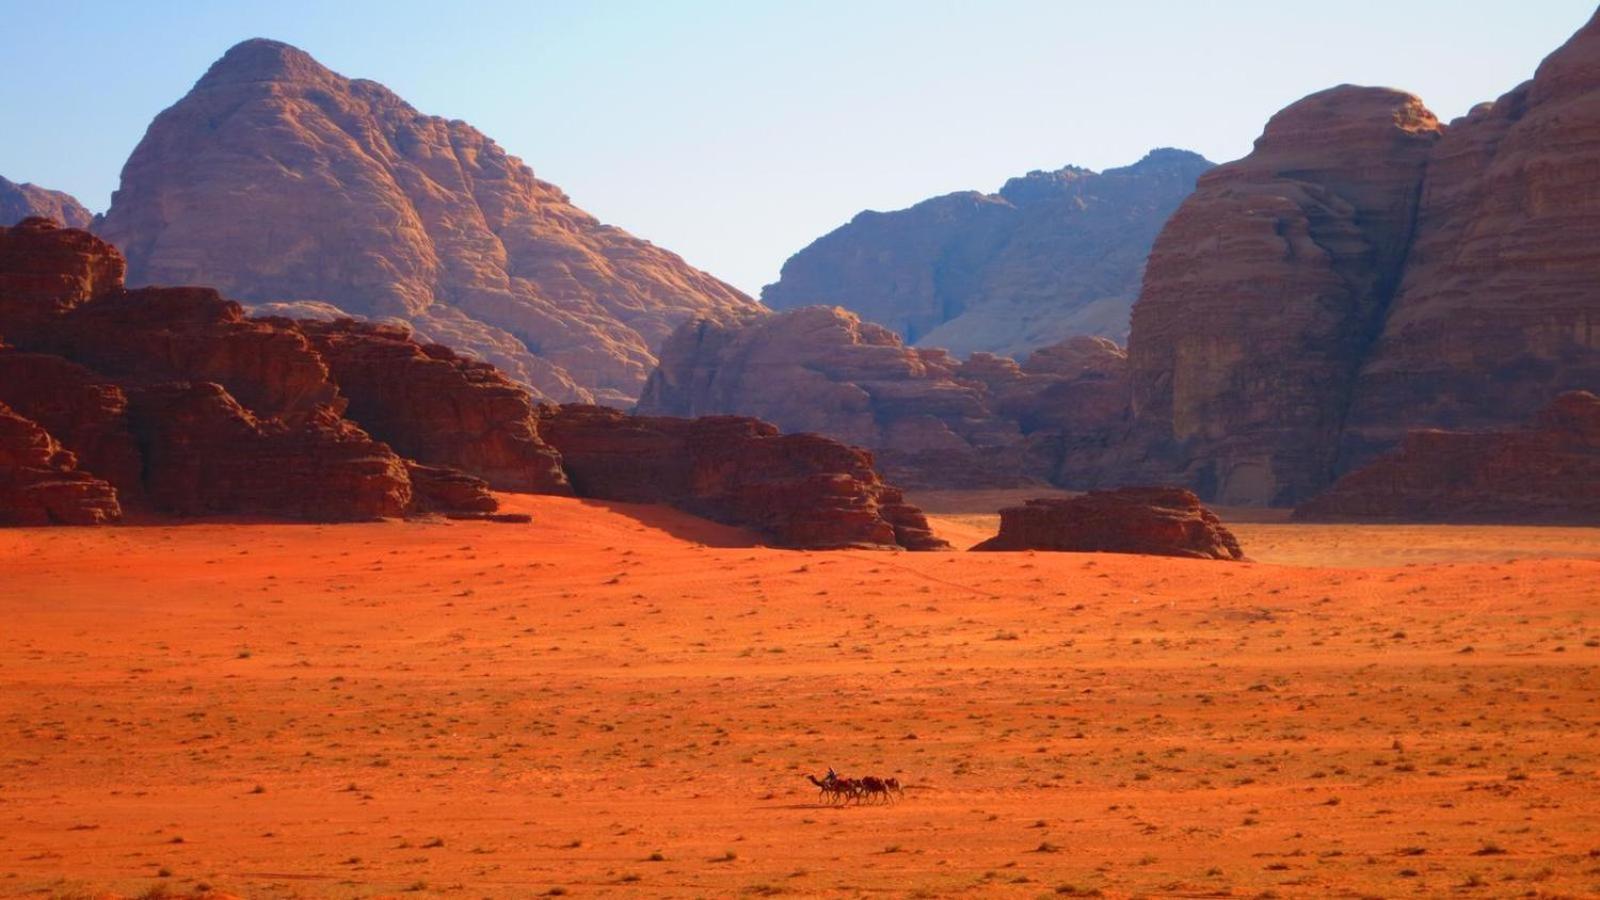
[(624, 701)]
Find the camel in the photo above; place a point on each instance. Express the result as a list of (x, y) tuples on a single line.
[(875, 788), (835, 789)]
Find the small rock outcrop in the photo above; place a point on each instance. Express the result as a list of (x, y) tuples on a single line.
[(40, 483), (1052, 255), (1547, 471), (801, 490), (26, 201), (282, 183), (928, 418), (1156, 521)]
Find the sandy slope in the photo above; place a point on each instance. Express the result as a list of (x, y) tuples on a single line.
[(623, 701)]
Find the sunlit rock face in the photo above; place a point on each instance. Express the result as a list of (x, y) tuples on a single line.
[(280, 182), (1367, 270)]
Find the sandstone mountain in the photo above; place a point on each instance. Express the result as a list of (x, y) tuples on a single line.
[(302, 192), (22, 201), (1052, 255), (1264, 292), (930, 419), (1367, 270)]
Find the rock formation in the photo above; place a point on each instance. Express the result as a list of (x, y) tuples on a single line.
[(429, 403), (190, 407), (181, 402), (1265, 289), (1364, 271), (1547, 471), (282, 183), (26, 201), (1052, 255), (929, 419), (802, 490), (206, 454), (40, 483), (1499, 309), (82, 409), (1150, 520)]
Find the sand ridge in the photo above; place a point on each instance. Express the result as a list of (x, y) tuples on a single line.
[(624, 700)]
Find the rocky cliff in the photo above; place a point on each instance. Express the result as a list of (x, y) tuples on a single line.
[(287, 185), (1052, 255), (930, 419), (1266, 288), (24, 201), (1367, 270), (1499, 309), (801, 490), (180, 403), (174, 400), (1547, 471), (40, 483)]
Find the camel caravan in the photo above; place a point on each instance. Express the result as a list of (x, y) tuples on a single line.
[(833, 789)]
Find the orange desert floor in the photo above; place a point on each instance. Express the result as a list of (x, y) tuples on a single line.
[(624, 701)]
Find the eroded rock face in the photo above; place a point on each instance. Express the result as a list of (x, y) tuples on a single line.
[(26, 201), (46, 270), (279, 181), (1158, 521), (1547, 471), (1366, 271), (929, 419), (429, 403), (801, 490), (228, 414), (1498, 310), (206, 454), (40, 483), (1052, 255), (84, 410), (1265, 291)]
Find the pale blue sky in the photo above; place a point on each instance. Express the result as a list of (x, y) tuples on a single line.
[(736, 132)]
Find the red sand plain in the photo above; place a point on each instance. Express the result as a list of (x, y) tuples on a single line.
[(623, 701)]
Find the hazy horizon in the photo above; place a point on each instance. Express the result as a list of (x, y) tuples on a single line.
[(736, 135)]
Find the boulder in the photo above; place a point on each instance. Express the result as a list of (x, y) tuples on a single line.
[(801, 490), (1547, 471), (1156, 521)]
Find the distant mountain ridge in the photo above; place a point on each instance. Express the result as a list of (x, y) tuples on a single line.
[(1049, 256), (24, 201), (301, 191)]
